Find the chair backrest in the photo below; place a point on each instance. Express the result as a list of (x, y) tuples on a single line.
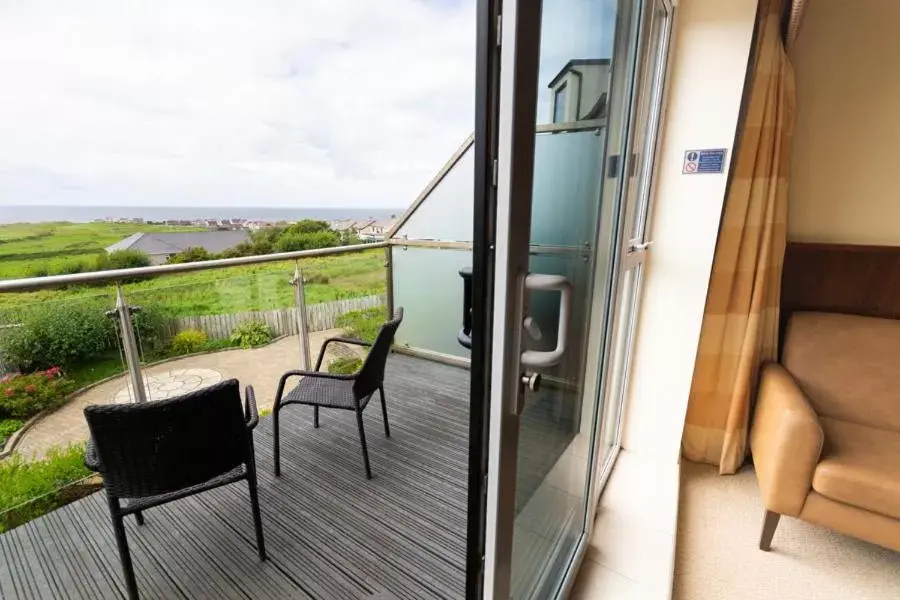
[(847, 365), (371, 375), (167, 445)]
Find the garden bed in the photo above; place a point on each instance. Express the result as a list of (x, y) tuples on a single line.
[(31, 489)]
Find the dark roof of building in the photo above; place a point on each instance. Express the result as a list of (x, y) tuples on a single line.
[(171, 243), (576, 62)]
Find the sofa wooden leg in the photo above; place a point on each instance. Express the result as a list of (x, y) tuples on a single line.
[(770, 523)]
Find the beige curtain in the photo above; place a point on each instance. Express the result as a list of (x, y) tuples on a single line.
[(740, 324), (794, 16)]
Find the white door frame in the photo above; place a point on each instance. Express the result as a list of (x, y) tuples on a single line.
[(519, 37)]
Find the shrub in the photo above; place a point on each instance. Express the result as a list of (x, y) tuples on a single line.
[(39, 271), (345, 366), (58, 334), (38, 484), (7, 428), (362, 324), (152, 326), (251, 333), (123, 259), (189, 341), (349, 238), (72, 267), (292, 242), (192, 254), (22, 396), (308, 226)]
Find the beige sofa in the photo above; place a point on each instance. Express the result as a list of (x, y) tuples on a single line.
[(825, 436)]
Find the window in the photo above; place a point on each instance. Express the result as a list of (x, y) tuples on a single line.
[(559, 104)]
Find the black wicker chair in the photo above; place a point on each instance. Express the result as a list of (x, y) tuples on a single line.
[(344, 392), (156, 452)]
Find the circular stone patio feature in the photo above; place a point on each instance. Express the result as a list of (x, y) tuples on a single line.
[(169, 384)]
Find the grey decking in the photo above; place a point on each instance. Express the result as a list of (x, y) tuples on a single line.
[(330, 534)]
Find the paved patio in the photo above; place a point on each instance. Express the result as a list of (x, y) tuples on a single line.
[(259, 367)]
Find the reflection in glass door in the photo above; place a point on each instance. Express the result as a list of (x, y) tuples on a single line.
[(583, 99)]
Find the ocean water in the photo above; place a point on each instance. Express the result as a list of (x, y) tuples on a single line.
[(85, 214)]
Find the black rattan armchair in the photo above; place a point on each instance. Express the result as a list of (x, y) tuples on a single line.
[(344, 392), (156, 452)]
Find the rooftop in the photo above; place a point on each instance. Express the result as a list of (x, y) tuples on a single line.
[(170, 243)]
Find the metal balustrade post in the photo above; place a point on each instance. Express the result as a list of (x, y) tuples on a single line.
[(302, 325), (129, 346), (389, 279)]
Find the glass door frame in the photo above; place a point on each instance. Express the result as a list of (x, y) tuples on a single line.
[(505, 125), (635, 245), (519, 41)]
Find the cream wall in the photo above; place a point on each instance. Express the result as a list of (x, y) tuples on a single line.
[(846, 157), (708, 62)]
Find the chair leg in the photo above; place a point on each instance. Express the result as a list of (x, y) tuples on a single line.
[(316, 417), (387, 427), (139, 517), (122, 543), (276, 445), (770, 522), (362, 439), (254, 505)]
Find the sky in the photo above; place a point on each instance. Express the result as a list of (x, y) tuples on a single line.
[(300, 103)]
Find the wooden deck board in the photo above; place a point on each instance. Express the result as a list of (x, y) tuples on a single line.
[(330, 533)]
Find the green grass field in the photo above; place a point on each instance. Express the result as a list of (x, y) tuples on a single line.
[(221, 291), (27, 246)]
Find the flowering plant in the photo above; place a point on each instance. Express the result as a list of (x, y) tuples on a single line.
[(26, 395)]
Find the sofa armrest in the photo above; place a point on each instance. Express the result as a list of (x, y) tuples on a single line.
[(785, 440)]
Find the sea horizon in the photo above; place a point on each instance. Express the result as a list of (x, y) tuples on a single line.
[(87, 213)]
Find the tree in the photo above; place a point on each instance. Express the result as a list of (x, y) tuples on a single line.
[(192, 254), (292, 242), (307, 226), (349, 237)]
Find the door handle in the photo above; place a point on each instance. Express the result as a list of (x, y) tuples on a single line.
[(539, 282), (639, 246)]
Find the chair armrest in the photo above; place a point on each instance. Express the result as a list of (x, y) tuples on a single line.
[(251, 414), (91, 459), (343, 340), (786, 441)]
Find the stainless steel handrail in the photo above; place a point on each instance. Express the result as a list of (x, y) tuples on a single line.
[(38, 283)]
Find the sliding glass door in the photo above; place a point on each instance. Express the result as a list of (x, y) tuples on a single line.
[(571, 104)]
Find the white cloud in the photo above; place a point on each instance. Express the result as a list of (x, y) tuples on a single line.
[(262, 103)]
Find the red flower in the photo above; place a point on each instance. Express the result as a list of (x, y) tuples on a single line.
[(30, 388), (10, 392)]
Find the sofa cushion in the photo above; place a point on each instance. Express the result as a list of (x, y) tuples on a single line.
[(860, 466), (847, 365)]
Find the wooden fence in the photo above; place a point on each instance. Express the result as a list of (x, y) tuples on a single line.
[(281, 321)]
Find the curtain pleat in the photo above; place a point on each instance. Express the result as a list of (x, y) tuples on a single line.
[(740, 322)]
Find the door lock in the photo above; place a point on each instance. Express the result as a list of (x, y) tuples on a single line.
[(532, 381), (533, 329)]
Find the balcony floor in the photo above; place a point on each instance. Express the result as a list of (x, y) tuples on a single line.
[(329, 532)]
